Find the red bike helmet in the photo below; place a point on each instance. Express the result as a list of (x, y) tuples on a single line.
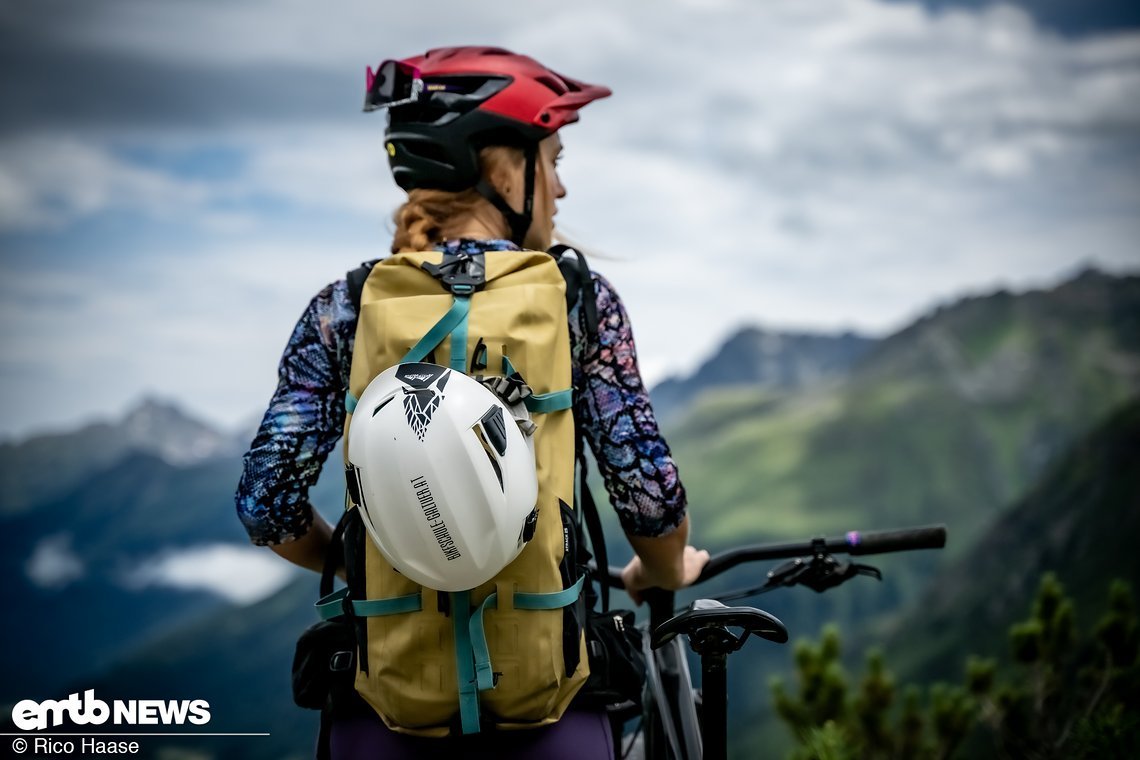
[(448, 104)]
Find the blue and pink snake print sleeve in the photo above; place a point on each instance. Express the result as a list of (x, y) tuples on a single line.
[(305, 418)]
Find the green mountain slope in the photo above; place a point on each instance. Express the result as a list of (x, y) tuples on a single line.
[(1081, 521), (946, 421)]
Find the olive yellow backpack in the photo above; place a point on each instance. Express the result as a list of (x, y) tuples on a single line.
[(511, 653)]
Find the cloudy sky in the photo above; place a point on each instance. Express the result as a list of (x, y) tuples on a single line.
[(177, 179)]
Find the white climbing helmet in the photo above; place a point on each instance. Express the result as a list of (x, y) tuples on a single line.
[(444, 478)]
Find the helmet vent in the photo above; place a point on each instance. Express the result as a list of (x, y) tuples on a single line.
[(496, 428), (382, 405), (478, 429), (551, 84)]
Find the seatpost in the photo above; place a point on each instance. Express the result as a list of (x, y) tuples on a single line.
[(713, 644), (660, 604), (714, 709)]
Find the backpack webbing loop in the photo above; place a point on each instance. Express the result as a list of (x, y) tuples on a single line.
[(542, 403), (549, 402), (522, 601), (337, 604)]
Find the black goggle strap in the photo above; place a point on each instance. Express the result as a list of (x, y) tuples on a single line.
[(518, 222)]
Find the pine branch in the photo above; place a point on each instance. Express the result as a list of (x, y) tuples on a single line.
[(1101, 688)]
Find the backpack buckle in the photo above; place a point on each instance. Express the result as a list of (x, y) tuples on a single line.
[(460, 273), (341, 661)]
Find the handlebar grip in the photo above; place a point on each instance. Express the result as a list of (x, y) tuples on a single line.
[(883, 541)]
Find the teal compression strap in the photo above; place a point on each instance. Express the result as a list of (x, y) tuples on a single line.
[(549, 402), (464, 662), (459, 338), (523, 601), (484, 678), (395, 606), (551, 601), (333, 605), (350, 402), (455, 315)]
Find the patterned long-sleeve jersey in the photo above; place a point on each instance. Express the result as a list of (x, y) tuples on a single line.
[(305, 417)]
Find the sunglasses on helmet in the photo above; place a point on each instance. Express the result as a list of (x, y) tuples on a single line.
[(394, 83)]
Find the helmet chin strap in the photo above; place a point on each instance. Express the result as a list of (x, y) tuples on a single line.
[(518, 222)]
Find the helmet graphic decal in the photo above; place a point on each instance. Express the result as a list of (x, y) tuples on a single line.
[(419, 407), (420, 398)]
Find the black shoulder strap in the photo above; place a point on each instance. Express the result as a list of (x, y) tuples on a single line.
[(355, 279), (579, 284), (334, 555), (594, 529)]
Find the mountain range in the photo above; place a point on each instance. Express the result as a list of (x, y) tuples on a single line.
[(948, 420), (759, 358), (138, 531), (45, 466)]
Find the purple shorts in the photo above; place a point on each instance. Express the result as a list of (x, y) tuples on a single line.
[(580, 735)]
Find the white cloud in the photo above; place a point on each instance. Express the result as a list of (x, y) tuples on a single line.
[(289, 31), (344, 170), (54, 564), (800, 163), (240, 574), (205, 324), (50, 182)]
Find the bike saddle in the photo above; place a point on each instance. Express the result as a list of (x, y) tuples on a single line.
[(707, 621)]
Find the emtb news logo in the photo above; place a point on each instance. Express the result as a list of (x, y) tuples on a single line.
[(29, 715)]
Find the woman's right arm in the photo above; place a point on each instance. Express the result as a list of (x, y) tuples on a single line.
[(633, 458), (301, 426)]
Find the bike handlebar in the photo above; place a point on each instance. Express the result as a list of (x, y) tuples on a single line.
[(906, 539), (855, 543)]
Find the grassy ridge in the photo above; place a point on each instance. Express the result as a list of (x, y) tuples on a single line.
[(1080, 521), (948, 421)]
